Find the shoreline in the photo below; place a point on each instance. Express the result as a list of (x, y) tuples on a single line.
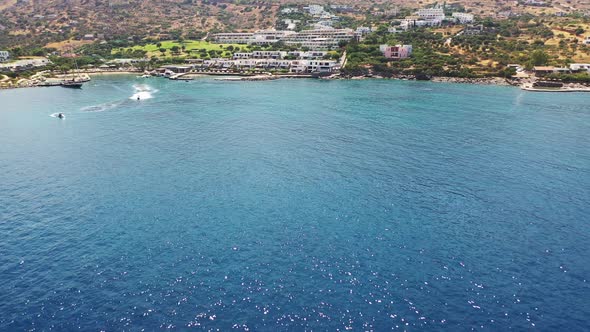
[(499, 81), (104, 73), (489, 81)]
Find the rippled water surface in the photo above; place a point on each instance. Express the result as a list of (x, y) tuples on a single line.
[(293, 204)]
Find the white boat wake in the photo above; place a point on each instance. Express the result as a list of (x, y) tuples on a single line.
[(101, 107), (142, 92)]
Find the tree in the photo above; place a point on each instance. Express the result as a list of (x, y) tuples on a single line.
[(539, 58)]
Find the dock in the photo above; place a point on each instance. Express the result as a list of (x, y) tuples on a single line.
[(531, 88)]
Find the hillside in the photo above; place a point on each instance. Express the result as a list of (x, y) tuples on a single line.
[(40, 22)]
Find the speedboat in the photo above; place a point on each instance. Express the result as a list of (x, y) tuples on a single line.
[(61, 115)]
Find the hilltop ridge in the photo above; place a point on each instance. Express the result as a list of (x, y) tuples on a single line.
[(36, 22)]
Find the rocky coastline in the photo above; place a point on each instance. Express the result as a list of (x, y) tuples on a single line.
[(438, 79), (478, 81)]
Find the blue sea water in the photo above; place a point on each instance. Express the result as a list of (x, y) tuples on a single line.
[(293, 205)]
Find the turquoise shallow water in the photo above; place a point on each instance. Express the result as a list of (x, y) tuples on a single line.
[(293, 204)]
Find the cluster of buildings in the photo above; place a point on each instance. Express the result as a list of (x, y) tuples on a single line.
[(260, 37), (396, 52), (301, 55), (388, 12), (318, 39), (23, 64), (293, 62), (474, 29), (300, 66), (4, 56), (536, 3), (432, 17), (573, 68), (321, 18)]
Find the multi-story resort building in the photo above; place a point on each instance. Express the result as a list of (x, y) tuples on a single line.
[(415, 21), (268, 54), (4, 56), (265, 37), (261, 37), (291, 66), (260, 55), (311, 55), (431, 14), (242, 55), (424, 17), (233, 38), (396, 52), (322, 39)]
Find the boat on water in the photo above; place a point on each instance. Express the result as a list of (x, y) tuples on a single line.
[(72, 84), (76, 81)]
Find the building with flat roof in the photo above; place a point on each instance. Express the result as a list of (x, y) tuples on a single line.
[(4, 56), (291, 66), (543, 70), (431, 14), (311, 55), (473, 29), (320, 39), (24, 64), (261, 37), (396, 52), (463, 18), (268, 54), (265, 37), (242, 55), (411, 22), (233, 38), (580, 67)]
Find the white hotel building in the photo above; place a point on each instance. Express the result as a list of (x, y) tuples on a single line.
[(261, 37), (320, 39), (292, 66), (431, 14), (233, 38)]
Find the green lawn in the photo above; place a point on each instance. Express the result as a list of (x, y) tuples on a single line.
[(190, 45)]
